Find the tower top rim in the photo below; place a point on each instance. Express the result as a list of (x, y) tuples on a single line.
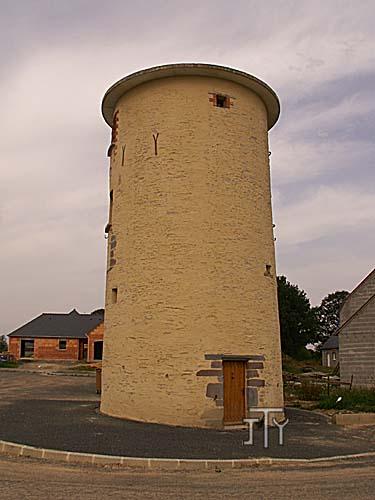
[(264, 91)]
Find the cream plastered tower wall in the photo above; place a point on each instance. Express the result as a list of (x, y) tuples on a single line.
[(191, 265)]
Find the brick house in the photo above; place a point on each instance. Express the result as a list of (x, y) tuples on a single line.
[(330, 352), (356, 334), (53, 336)]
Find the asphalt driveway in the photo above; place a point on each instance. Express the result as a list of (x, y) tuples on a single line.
[(62, 412)]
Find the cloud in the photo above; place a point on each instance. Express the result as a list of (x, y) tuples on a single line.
[(325, 238), (337, 261), (324, 212), (306, 162)]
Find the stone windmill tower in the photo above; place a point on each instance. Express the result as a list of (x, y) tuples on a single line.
[(191, 323)]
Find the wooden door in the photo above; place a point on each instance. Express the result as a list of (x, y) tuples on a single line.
[(234, 392)]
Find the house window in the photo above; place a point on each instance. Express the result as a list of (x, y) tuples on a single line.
[(334, 356), (114, 295), (27, 348), (62, 345), (98, 350)]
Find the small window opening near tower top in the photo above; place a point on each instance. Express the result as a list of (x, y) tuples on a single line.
[(222, 101), (114, 295)]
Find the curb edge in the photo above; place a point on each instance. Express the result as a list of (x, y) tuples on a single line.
[(23, 450)]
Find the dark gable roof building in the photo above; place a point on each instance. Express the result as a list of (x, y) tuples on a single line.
[(357, 334), (54, 336), (330, 352)]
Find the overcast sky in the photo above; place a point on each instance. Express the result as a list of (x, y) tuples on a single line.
[(57, 58)]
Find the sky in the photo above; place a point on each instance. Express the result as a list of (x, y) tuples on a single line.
[(58, 58)]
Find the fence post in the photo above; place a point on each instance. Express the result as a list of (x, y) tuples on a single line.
[(328, 385)]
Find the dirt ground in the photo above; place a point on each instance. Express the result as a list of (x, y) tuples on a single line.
[(27, 479), (20, 385)]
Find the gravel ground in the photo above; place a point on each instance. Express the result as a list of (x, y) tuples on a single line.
[(26, 479)]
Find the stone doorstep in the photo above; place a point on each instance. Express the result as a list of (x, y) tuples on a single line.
[(353, 418), (167, 464)]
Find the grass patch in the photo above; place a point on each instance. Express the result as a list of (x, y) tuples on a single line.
[(290, 365), (295, 366), (9, 364), (357, 400), (309, 391)]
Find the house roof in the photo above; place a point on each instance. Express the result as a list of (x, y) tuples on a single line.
[(331, 343), (67, 325)]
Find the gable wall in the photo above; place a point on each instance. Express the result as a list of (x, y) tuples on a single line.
[(94, 336), (357, 348), (357, 298), (47, 349)]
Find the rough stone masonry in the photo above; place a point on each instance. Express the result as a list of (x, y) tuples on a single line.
[(191, 324)]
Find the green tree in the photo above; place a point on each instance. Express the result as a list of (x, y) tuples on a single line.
[(328, 314), (298, 322), (3, 343)]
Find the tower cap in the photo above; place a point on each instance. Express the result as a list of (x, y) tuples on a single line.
[(260, 88)]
